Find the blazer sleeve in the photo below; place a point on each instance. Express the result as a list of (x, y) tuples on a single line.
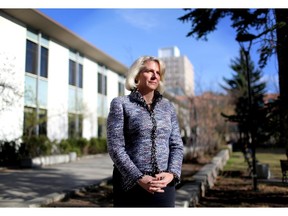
[(176, 147), (116, 142)]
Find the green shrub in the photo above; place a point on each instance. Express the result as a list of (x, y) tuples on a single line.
[(83, 145), (8, 153), (35, 146), (69, 145), (64, 146), (97, 145), (78, 145)]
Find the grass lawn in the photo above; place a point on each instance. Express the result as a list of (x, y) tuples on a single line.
[(270, 156), (234, 187)]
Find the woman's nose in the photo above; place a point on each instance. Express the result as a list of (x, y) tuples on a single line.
[(153, 76)]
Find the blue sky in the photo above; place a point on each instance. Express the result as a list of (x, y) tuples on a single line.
[(126, 34)]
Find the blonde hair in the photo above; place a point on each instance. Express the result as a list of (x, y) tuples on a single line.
[(138, 66)]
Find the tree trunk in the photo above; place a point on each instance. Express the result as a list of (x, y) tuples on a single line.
[(282, 56)]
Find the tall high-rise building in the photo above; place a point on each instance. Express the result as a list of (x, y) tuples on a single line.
[(179, 77)]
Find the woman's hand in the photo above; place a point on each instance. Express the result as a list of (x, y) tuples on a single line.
[(145, 182), (164, 178), (157, 183)]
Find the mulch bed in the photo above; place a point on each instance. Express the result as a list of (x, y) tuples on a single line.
[(235, 189), (93, 196)]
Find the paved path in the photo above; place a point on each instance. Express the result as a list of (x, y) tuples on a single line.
[(29, 187)]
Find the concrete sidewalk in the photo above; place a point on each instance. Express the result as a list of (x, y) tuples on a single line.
[(33, 187)]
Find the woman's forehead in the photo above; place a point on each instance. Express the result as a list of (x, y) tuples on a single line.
[(151, 62)]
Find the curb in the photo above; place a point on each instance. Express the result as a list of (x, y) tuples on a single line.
[(55, 197), (190, 193)]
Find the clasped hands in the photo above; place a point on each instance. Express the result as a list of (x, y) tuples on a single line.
[(157, 183)]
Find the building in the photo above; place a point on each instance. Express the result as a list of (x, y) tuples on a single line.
[(179, 83), (54, 83), (179, 77), (63, 84)]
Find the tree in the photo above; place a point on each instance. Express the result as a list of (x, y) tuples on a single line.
[(211, 127), (10, 90), (269, 27), (237, 88)]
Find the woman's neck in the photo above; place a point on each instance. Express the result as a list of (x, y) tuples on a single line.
[(148, 96)]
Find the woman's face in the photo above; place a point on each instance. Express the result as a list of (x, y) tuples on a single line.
[(149, 77)]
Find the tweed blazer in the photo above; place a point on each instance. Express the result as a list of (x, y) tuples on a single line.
[(142, 141)]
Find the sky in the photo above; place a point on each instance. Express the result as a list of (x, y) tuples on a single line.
[(127, 33)]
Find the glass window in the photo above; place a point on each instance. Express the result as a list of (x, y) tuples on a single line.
[(71, 125), (30, 91), (120, 89), (75, 125), (42, 93), (42, 118), (72, 72), (30, 94), (101, 132), (31, 57), (105, 85), (80, 76), (102, 84), (31, 122), (99, 83), (44, 62)]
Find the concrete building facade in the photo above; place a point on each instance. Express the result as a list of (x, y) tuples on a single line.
[(52, 82), (179, 77)]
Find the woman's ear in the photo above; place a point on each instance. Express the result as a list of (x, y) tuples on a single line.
[(136, 79)]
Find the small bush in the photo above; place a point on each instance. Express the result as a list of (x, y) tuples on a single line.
[(83, 145), (97, 145), (35, 146), (64, 146), (8, 153)]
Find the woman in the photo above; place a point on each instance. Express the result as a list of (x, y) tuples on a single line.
[(144, 141)]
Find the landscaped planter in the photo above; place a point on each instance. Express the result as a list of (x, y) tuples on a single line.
[(72, 156), (48, 160)]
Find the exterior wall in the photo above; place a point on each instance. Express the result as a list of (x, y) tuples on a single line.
[(57, 98), (188, 77), (90, 69), (179, 76), (112, 86), (169, 52), (12, 66)]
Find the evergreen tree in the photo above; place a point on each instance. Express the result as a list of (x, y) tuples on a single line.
[(249, 117)]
